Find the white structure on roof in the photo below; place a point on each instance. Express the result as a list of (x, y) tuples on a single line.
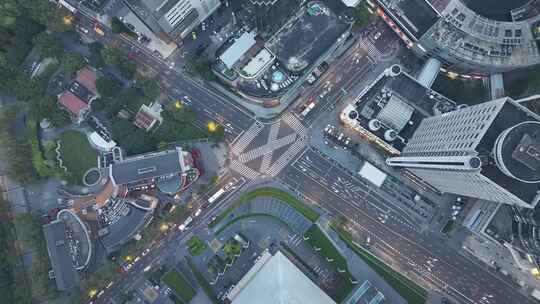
[(372, 174), (276, 280), (258, 64), (351, 3), (238, 49), (100, 143)]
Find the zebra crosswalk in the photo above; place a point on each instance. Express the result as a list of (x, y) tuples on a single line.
[(373, 52), (246, 138), (244, 170), (268, 148), (295, 124), (286, 157)]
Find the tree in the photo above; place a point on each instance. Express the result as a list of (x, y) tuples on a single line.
[(47, 45), (200, 66), (127, 68), (112, 56), (118, 26), (362, 15), (95, 59), (8, 13), (73, 62), (149, 87), (108, 87)]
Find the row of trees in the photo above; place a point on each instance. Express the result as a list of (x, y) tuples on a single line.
[(13, 282)]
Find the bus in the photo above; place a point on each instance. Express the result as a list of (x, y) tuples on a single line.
[(216, 195), (308, 109)]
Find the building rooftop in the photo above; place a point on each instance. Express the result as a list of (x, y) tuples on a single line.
[(415, 16), (65, 275), (511, 115), (391, 109), (307, 36), (87, 78), (73, 103), (127, 222), (148, 167), (474, 38), (240, 46), (276, 280)]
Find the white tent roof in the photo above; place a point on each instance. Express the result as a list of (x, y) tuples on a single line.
[(372, 174), (238, 49), (100, 143), (276, 280)]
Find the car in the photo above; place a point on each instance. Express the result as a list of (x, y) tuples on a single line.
[(198, 212), (377, 36), (145, 252), (137, 259), (100, 293), (185, 224)]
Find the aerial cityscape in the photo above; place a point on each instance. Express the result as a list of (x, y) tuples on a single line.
[(270, 151)]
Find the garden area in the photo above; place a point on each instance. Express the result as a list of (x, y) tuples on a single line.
[(179, 285), (77, 155), (278, 194), (196, 246), (322, 244)]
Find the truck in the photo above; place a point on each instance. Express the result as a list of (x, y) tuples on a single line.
[(308, 109)]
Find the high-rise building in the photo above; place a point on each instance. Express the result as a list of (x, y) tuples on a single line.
[(169, 19), (468, 36), (489, 151)]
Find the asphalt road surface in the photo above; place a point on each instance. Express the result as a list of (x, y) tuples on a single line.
[(419, 255)]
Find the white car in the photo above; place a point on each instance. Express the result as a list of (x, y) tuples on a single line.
[(145, 252), (198, 212)]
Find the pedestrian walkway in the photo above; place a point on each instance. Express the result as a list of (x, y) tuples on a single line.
[(266, 149), (295, 124), (284, 159), (241, 144), (244, 170), (372, 51)]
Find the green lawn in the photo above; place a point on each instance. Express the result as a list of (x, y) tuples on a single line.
[(203, 283), (179, 285), (77, 155), (319, 240), (410, 291), (278, 194), (196, 246)]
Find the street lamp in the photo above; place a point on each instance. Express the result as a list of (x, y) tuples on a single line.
[(164, 227), (212, 126), (92, 293)]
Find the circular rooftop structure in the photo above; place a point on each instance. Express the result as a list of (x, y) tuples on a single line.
[(171, 185), (494, 9), (78, 237), (278, 77), (517, 152)]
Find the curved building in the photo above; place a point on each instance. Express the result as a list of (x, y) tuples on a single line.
[(489, 151), (477, 37)]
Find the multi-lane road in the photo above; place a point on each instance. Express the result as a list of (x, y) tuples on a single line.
[(422, 256)]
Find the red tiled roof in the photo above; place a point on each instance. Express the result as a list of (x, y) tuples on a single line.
[(143, 120), (87, 78), (73, 103)]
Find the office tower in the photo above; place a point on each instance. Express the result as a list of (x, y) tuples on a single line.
[(489, 151)]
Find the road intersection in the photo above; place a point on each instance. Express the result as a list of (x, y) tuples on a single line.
[(281, 150)]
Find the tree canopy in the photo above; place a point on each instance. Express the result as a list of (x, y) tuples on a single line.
[(108, 87), (72, 62)]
